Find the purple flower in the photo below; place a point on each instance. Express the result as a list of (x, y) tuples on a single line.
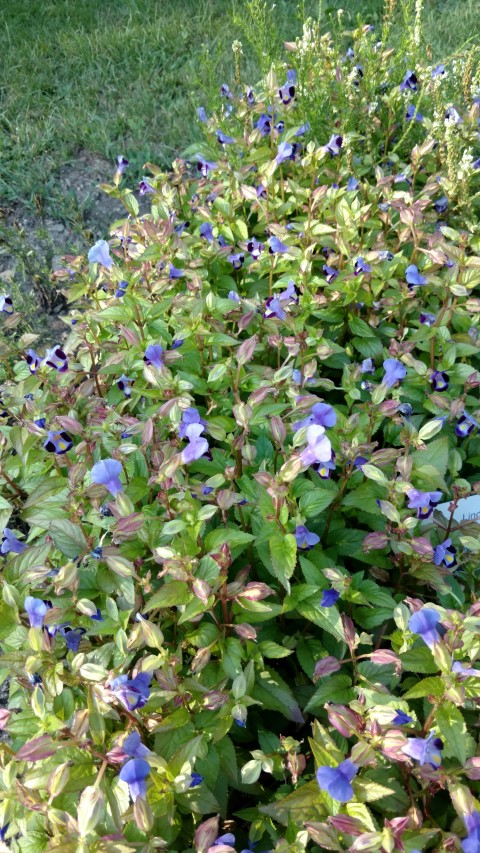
[(285, 152), (206, 231), (134, 773), (134, 747), (324, 469), (395, 371), (329, 597), (444, 554), (56, 358), (121, 289), (100, 254), (321, 413), (58, 442), (359, 461), (276, 245), (10, 543), (290, 292), (438, 70), (122, 164), (33, 360), (36, 610), (361, 266), (298, 378), (233, 295), (352, 185), (228, 839), (40, 422), (304, 128), (174, 272), (196, 780), (452, 115), (465, 425), (409, 82), (413, 276), (286, 93), (6, 304), (367, 366), (337, 781), (255, 248), (223, 139), (106, 473), (154, 355), (205, 166), (471, 844), (425, 750), (145, 187), (190, 416), (385, 256), (73, 638), (198, 444), (439, 380), (201, 114), (250, 96), (427, 319), (133, 693), (124, 384), (476, 164), (334, 145), (423, 502), (464, 671), (330, 273), (441, 204), (237, 260), (262, 193), (264, 124), (318, 447), (304, 538), (424, 623), (225, 91), (273, 308), (401, 718)]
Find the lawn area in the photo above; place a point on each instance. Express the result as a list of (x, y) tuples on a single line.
[(109, 77)]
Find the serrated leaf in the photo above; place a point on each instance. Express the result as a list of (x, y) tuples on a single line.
[(304, 804), (419, 660), (274, 693), (316, 501), (426, 687), (68, 537), (453, 730), (169, 595), (283, 554)]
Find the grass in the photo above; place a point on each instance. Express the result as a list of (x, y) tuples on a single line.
[(113, 78)]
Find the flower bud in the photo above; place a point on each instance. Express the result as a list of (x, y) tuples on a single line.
[(201, 590), (367, 841), (322, 834), (277, 429), (142, 814), (215, 699), (344, 720), (58, 779), (362, 754), (375, 541), (472, 768), (392, 745), (206, 834), (346, 824), (245, 631), (325, 666), (385, 657), (90, 809), (256, 591)]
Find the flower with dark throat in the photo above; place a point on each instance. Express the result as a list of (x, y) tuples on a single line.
[(236, 260), (124, 384), (133, 693), (58, 442), (6, 304), (425, 750), (304, 538), (465, 425), (286, 93), (33, 360), (445, 554), (334, 145), (36, 611), (154, 356), (423, 502), (57, 359), (395, 371), (439, 380), (413, 277), (424, 623), (409, 82)]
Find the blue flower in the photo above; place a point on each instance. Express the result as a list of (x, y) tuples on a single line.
[(352, 184), (134, 747), (36, 611), (40, 422), (255, 248), (334, 145), (223, 139), (425, 750), (121, 289), (285, 152), (198, 444), (33, 360), (367, 366), (189, 416), (205, 166), (106, 474), (124, 384), (427, 319), (465, 425), (361, 266), (6, 304), (236, 260), (196, 780), (413, 277), (401, 718), (133, 693), (73, 638), (10, 543), (471, 844), (57, 359), (154, 356), (175, 272), (439, 380), (318, 447), (329, 597), (423, 502), (424, 623), (286, 93), (227, 839), (464, 671), (134, 773), (206, 231), (58, 442), (413, 113), (337, 781), (202, 116), (276, 245), (410, 81), (330, 273), (453, 116), (304, 128), (304, 538), (444, 554), (441, 204), (321, 413), (438, 70), (233, 295), (395, 371), (273, 308), (100, 254), (145, 187)]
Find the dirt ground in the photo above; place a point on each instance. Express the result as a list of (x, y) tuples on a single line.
[(32, 243)]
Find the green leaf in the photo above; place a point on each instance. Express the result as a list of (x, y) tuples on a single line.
[(426, 687), (169, 595), (283, 553), (453, 730), (336, 688), (68, 537), (304, 804), (275, 695), (419, 660), (315, 501)]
